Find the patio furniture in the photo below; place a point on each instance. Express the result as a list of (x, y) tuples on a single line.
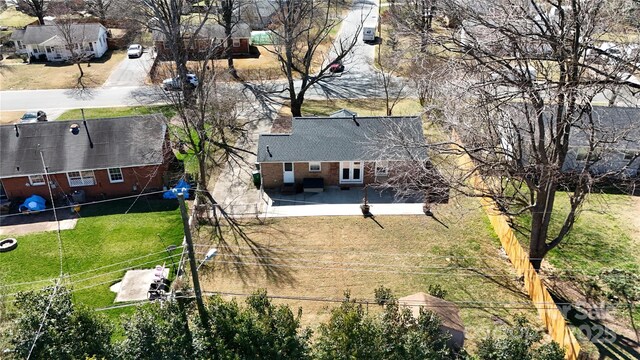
[(313, 185)]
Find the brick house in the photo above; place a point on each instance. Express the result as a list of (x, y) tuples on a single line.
[(338, 150), (103, 157), (211, 41)]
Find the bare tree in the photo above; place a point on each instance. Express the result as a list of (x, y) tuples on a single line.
[(228, 16), (519, 89), (73, 38), (100, 8), (392, 85), (37, 8), (414, 18), (299, 29)]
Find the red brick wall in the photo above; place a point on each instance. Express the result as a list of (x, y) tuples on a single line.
[(330, 171), (203, 46), (138, 176)]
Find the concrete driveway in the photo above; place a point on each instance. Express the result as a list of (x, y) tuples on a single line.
[(131, 72)]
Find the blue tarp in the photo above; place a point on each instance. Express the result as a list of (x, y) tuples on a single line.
[(181, 187), (33, 203)]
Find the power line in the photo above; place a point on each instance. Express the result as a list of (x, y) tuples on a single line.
[(93, 202), (363, 270), (357, 252)]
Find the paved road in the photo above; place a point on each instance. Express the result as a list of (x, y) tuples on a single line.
[(131, 72), (59, 99)]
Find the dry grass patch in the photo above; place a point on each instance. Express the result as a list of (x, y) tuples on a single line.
[(54, 76), (14, 18), (10, 117), (321, 257)]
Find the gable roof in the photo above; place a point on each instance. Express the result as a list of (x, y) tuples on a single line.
[(38, 34), (211, 30), (343, 139), (117, 142)]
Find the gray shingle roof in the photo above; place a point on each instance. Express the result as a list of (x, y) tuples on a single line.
[(342, 139), (620, 124), (37, 34), (211, 30), (117, 142)]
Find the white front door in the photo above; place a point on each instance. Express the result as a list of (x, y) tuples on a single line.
[(288, 173), (351, 172)]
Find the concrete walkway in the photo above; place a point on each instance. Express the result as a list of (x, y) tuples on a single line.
[(24, 229), (341, 210)]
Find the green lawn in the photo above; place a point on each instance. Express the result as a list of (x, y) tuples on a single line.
[(97, 113), (13, 18), (600, 239), (605, 236), (104, 236)]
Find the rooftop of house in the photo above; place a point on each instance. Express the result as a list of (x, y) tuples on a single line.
[(613, 124), (211, 30), (38, 34), (97, 144), (345, 139)]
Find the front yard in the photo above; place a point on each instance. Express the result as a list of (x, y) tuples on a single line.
[(320, 258), (16, 75), (96, 254)]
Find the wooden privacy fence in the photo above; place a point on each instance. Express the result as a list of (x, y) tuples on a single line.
[(547, 310)]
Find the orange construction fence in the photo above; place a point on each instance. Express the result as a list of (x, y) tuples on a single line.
[(549, 313)]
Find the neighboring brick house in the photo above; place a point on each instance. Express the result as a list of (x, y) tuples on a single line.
[(104, 157), (47, 42), (342, 151), (211, 41)]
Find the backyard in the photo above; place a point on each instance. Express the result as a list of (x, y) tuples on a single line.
[(321, 258), (109, 238), (606, 236)]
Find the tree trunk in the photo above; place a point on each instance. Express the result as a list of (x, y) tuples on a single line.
[(540, 221), (296, 108)]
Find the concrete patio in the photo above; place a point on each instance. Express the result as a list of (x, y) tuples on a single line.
[(334, 201)]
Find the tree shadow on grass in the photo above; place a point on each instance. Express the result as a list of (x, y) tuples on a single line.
[(610, 344)]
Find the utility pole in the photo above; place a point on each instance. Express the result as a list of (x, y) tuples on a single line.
[(192, 265)]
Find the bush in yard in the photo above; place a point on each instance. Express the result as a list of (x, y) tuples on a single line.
[(518, 343), (68, 331), (437, 291), (157, 331), (353, 334), (260, 330)]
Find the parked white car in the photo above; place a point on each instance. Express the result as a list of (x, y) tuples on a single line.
[(135, 50), (176, 83)]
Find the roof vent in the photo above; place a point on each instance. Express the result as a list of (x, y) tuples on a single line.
[(354, 120), (75, 129)]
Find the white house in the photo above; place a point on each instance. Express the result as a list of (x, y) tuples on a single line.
[(47, 42)]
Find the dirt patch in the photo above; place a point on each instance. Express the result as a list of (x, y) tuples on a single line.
[(10, 117)]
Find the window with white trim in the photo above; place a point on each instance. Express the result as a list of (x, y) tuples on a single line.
[(315, 166), (236, 42), (81, 178), (36, 180), (115, 175), (382, 168)]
